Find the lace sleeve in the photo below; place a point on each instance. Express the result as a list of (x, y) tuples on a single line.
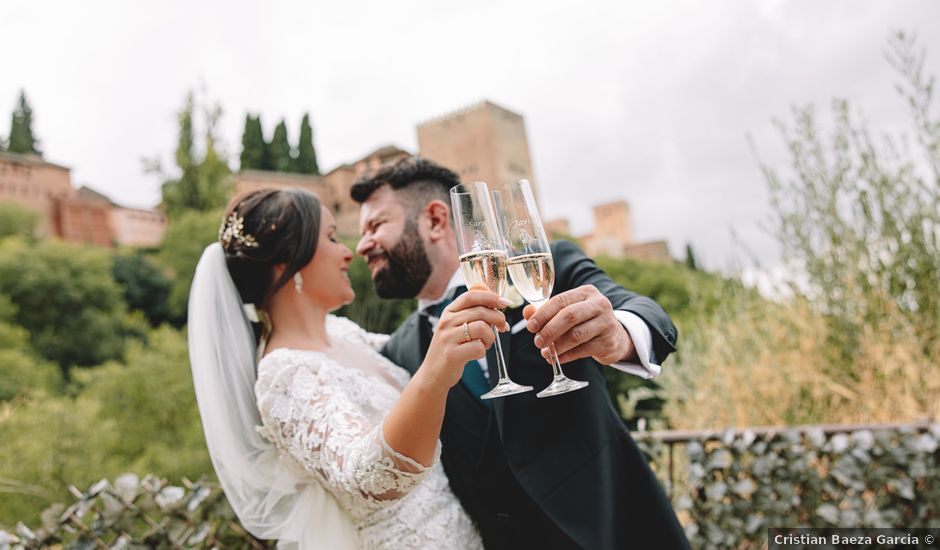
[(307, 414)]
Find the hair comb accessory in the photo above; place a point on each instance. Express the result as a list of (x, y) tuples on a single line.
[(232, 230)]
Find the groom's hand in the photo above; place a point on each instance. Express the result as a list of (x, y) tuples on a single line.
[(581, 323)]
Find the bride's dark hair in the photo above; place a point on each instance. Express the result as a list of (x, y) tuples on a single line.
[(265, 228)]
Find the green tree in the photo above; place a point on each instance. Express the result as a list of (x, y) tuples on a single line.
[(22, 139), (17, 220), (860, 217), (279, 151), (23, 373), (49, 444), (186, 237), (65, 297), (143, 284), (254, 148), (204, 180), (149, 401), (672, 286), (138, 415), (690, 261), (306, 162)]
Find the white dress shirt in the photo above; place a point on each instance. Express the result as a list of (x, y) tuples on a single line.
[(635, 326)]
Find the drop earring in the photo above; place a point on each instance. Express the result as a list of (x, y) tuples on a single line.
[(298, 283)]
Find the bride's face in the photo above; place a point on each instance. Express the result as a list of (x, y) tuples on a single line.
[(326, 277)]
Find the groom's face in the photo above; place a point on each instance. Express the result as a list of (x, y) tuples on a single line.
[(392, 246)]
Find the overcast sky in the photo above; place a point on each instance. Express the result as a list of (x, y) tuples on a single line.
[(649, 102)]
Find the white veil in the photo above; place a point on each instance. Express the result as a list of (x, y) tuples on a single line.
[(271, 500)]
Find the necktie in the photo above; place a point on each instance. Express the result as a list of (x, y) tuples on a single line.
[(472, 378)]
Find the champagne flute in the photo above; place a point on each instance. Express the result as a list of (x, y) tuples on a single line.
[(529, 262), (482, 259)]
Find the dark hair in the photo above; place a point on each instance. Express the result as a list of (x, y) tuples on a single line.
[(277, 226), (420, 178)]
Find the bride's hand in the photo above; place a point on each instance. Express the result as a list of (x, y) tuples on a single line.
[(463, 334)]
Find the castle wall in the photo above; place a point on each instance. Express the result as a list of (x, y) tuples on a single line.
[(35, 184), (482, 142), (84, 222), (137, 227)]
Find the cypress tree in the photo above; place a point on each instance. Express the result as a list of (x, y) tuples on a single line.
[(306, 154), (690, 260), (22, 139), (279, 151), (254, 149)]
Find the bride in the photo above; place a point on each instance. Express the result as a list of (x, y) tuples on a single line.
[(322, 443)]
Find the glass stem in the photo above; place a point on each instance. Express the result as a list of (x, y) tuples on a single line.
[(500, 362), (556, 364)]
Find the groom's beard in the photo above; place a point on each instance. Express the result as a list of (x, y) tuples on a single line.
[(407, 268)]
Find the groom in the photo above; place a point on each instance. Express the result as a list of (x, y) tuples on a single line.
[(559, 472)]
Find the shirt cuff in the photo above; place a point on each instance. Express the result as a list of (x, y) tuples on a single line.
[(642, 342)]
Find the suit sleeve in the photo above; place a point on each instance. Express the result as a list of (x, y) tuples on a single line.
[(573, 269)]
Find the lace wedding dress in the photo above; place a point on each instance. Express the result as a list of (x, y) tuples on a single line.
[(324, 412)]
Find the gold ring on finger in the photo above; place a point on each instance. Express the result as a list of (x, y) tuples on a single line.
[(466, 332)]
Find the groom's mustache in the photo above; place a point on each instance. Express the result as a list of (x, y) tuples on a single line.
[(377, 255)]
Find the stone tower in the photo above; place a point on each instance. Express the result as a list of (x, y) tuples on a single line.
[(611, 229), (480, 142)]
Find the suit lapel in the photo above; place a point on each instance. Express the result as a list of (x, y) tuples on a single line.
[(414, 337)]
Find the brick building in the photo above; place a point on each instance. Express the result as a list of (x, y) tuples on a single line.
[(481, 142), (75, 215), (612, 235)]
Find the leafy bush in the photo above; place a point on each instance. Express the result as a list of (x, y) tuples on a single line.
[(733, 488), (138, 416), (859, 218), (144, 286), (149, 403), (17, 220), (686, 295), (148, 513), (65, 297), (23, 373), (186, 237), (730, 490), (47, 444), (755, 362)]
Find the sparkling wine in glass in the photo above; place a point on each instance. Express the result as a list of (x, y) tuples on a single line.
[(482, 260), (529, 262)]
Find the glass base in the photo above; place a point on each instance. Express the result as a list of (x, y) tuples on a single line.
[(561, 384), (504, 388)]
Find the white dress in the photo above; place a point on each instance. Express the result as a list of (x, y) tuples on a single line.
[(324, 412)]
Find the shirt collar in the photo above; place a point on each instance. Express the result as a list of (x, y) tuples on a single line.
[(456, 280)]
